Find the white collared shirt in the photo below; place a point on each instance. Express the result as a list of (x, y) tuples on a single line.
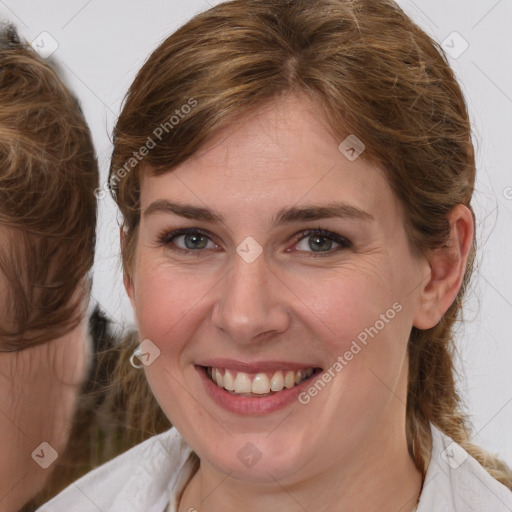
[(456, 482), (150, 476)]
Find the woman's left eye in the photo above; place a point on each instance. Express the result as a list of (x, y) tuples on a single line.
[(320, 238), (195, 240)]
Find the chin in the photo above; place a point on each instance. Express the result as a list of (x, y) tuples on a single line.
[(255, 457)]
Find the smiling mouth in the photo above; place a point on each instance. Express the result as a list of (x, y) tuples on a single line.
[(258, 385)]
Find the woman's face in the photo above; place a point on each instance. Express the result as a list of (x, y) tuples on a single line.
[(263, 293)]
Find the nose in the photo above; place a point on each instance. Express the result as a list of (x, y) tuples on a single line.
[(252, 302)]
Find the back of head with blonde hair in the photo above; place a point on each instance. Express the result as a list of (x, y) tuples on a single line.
[(370, 71)]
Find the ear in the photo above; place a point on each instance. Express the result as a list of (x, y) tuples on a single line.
[(447, 266), (127, 278)]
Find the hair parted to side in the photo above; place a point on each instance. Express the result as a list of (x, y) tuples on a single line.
[(48, 173), (370, 71)]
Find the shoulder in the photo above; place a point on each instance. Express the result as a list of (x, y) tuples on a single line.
[(455, 481), (139, 479)]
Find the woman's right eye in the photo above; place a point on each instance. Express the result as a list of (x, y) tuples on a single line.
[(194, 240)]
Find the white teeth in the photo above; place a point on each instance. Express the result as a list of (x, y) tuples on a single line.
[(242, 383), (289, 380), (260, 384), (218, 378), (277, 382), (229, 382)]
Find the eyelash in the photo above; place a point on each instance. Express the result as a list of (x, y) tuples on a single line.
[(166, 237)]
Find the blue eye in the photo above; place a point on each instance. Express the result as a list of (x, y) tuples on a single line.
[(195, 240), (322, 239)]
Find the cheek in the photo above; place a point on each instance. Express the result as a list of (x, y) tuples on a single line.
[(360, 319), (342, 304), (164, 299)]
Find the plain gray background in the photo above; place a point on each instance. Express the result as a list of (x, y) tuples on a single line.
[(101, 44)]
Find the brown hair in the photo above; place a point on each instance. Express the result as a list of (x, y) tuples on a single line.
[(371, 71), (48, 173)]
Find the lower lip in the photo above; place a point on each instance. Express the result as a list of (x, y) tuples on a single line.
[(254, 406)]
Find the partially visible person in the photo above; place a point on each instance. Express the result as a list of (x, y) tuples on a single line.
[(48, 174), (116, 409)]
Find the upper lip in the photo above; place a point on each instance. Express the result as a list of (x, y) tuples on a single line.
[(255, 366)]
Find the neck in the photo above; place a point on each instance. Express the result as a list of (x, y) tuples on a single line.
[(38, 391), (381, 477)]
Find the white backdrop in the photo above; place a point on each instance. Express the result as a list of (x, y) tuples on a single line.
[(101, 44)]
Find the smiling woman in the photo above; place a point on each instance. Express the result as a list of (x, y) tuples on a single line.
[(304, 231)]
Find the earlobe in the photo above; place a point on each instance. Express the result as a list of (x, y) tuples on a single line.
[(447, 267)]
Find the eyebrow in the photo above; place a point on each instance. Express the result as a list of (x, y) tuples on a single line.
[(284, 216)]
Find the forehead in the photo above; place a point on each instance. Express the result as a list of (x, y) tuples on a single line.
[(281, 155)]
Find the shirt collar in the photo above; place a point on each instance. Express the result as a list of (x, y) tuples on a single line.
[(454, 481)]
